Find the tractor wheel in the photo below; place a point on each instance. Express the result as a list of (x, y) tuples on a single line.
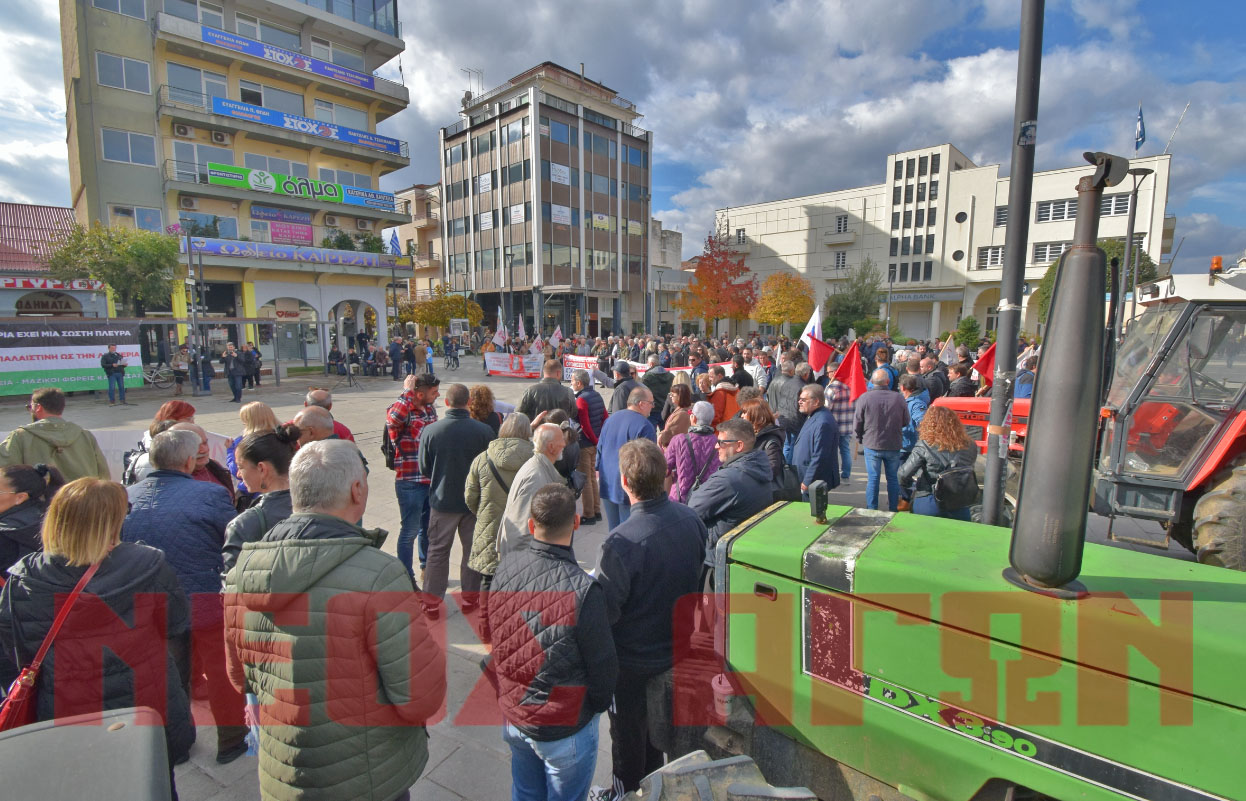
[(1220, 519)]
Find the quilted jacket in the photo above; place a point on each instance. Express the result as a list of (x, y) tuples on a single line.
[(689, 457), (486, 498), (342, 715)]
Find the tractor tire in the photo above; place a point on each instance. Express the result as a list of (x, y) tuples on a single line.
[(1220, 519)]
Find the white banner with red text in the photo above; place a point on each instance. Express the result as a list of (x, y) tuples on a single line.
[(513, 365)]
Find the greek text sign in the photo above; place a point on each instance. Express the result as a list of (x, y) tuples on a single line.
[(304, 125), (326, 69)]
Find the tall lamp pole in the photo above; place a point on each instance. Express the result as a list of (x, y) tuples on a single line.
[(657, 307), (1139, 175), (195, 347)]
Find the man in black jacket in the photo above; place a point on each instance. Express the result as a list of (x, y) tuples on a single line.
[(741, 488), (548, 393), (447, 448), (543, 603), (624, 384), (649, 561), (962, 386), (235, 370), (114, 371)]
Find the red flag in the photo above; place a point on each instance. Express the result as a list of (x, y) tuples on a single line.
[(849, 372), (819, 352), (986, 365)]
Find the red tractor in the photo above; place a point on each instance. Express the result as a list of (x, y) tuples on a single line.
[(1172, 430)]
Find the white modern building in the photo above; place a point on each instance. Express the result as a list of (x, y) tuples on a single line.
[(935, 227)]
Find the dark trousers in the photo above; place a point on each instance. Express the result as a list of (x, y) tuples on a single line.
[(394, 367), (633, 755), (204, 666), (235, 386)]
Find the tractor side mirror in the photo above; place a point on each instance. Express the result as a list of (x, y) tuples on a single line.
[(818, 500)]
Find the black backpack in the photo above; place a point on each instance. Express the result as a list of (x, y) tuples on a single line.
[(956, 488), (387, 448)]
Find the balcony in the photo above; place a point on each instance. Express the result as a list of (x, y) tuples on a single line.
[(223, 47), (834, 238), (191, 178), (197, 110), (425, 218)]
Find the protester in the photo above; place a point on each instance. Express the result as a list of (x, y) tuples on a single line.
[(1024, 386), (180, 364), (568, 464), (882, 361), (723, 397), (324, 399), (405, 419), (257, 418), (81, 530), (620, 428), (935, 379), (739, 376), (25, 491), (186, 520), (740, 488), (138, 465), (961, 386), (251, 358), (769, 435), (679, 419), (704, 386), (591, 413), (548, 442), (114, 370), (816, 452), (943, 445), (659, 381), (648, 562), (315, 424), (551, 709), (447, 448), (624, 385), (54, 441), (682, 378), (263, 459), (917, 400), (548, 393), (480, 407), (368, 677), (697, 363), (235, 370), (489, 480), (395, 357), (692, 457), (878, 422), (206, 468)]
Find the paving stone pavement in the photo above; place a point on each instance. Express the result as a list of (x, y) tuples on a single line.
[(465, 761)]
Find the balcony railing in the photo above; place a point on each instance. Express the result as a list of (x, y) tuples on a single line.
[(632, 130), (422, 217), (173, 97)]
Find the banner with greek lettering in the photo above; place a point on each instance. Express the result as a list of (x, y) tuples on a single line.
[(571, 363), (326, 69), (54, 352), (306, 188), (304, 125), (515, 365)]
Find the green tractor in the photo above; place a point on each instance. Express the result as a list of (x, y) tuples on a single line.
[(870, 656)]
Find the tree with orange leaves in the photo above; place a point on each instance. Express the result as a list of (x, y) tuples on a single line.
[(784, 298), (722, 287)]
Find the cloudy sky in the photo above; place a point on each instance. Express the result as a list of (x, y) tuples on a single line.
[(752, 100)]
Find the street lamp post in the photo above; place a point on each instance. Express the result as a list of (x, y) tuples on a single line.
[(657, 306), (195, 347), (1139, 175)]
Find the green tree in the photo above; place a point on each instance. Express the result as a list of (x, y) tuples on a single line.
[(853, 302), (968, 332), (338, 240), (369, 243), (137, 266), (1112, 249)]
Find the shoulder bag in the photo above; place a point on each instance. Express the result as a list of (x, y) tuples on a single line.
[(18, 708), (700, 476)]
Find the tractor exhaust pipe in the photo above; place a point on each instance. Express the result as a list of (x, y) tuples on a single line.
[(1050, 528)]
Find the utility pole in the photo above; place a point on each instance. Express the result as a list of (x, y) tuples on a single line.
[(1016, 239), (1139, 175), (195, 347)]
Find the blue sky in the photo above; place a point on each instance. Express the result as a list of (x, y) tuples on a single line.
[(752, 100)]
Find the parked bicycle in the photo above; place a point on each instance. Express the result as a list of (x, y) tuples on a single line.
[(158, 376)]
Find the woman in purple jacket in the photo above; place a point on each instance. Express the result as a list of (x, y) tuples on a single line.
[(692, 457)]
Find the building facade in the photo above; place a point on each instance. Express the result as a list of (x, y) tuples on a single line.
[(420, 236), (248, 127), (666, 281), (26, 234), (545, 204), (935, 229)]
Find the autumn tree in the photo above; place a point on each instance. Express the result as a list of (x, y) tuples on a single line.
[(1112, 249), (784, 298), (721, 288), (442, 306), (136, 265)]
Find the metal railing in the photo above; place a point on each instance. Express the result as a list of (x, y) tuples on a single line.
[(363, 15), (425, 215), (451, 130), (173, 97), (632, 130)]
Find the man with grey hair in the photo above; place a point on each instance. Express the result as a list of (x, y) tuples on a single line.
[(315, 424), (186, 519), (740, 488), (324, 399), (879, 421), (590, 410), (539, 471), (366, 632), (816, 452)]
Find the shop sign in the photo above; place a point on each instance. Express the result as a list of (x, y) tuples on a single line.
[(47, 303), (293, 253), (278, 184), (250, 47), (280, 215), (304, 125), (83, 284)]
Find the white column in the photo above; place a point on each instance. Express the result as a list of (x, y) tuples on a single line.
[(934, 320)]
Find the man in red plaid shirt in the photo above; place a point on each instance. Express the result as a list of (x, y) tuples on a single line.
[(839, 402), (405, 420)]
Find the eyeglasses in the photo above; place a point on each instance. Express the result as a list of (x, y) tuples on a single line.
[(723, 442)]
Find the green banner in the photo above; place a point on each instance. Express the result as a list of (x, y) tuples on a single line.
[(23, 382), (274, 183)]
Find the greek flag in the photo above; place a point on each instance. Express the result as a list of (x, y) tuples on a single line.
[(1139, 131), (394, 247)]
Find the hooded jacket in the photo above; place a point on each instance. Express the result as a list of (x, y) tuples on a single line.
[(659, 381), (19, 533), (145, 610), (344, 719), (55, 441), (486, 497), (738, 490)]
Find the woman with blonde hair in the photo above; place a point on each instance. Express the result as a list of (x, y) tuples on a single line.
[(943, 446), (257, 418), (81, 532), (480, 407)]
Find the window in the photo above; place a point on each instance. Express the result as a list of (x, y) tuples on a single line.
[(517, 172), (346, 178), (895, 195), (908, 167), (841, 224), (908, 193), (194, 86), (895, 220), (131, 148), (741, 238), (908, 219), (921, 218), (1055, 210), (636, 157), (928, 268), (131, 8), (560, 132), (1113, 205), (930, 218), (921, 166), (458, 226), (892, 272), (224, 227), (191, 160), (516, 131), (338, 54), (484, 143), (123, 73), (930, 243), (917, 245), (212, 15), (895, 246), (454, 155), (991, 256), (934, 162), (341, 115), (600, 119), (1047, 252), (485, 182), (136, 217), (637, 193), (599, 143), (921, 192), (905, 246), (904, 271), (268, 97), (899, 173), (256, 161), (1001, 216), (934, 190), (841, 260), (614, 155)]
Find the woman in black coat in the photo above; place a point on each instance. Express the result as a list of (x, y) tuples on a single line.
[(24, 495), (132, 607), (770, 437)]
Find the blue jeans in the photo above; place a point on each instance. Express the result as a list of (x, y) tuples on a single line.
[(413, 508), (927, 505), (788, 445), (615, 512), (554, 770), (888, 461), (117, 380), (235, 386), (845, 455)]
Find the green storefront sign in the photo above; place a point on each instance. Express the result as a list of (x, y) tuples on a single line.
[(274, 182)]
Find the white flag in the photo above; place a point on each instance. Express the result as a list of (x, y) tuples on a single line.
[(814, 326), (948, 354), (500, 337), (536, 347), (555, 337), (522, 333)]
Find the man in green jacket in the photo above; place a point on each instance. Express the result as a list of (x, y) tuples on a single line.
[(51, 440), (328, 632)]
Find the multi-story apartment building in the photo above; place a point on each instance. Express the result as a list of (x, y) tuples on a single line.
[(545, 204), (935, 229), (250, 125), (420, 236)]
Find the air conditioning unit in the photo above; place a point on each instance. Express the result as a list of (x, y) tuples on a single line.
[(220, 138), (188, 203), (183, 131), (363, 225), (330, 221)]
